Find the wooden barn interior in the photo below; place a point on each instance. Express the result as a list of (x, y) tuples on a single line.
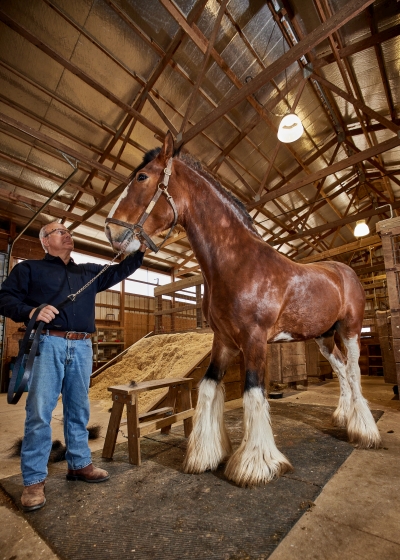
[(87, 88)]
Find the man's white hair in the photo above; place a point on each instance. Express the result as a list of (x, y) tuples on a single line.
[(42, 233)]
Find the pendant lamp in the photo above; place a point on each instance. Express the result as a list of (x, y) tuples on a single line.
[(290, 128), (361, 229)]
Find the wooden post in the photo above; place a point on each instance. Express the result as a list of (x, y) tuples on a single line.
[(172, 307), (113, 427), (133, 431), (170, 401), (122, 305), (158, 318)]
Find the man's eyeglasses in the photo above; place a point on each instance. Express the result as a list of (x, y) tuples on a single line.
[(60, 232)]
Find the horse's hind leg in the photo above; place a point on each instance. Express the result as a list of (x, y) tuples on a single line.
[(209, 443), (257, 460), (361, 426), (337, 361)]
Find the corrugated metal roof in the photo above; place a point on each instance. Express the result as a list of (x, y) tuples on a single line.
[(70, 70)]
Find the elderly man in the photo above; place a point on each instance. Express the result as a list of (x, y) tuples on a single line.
[(65, 361)]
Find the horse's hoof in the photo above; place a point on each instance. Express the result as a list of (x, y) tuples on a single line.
[(255, 471)]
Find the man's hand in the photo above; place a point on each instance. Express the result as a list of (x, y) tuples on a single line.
[(47, 314)]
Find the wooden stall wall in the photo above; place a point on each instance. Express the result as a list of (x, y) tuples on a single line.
[(139, 317), (390, 233), (286, 363)]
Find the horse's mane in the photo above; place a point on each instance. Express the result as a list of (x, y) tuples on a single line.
[(194, 164)]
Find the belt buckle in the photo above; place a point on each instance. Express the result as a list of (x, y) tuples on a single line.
[(68, 333)]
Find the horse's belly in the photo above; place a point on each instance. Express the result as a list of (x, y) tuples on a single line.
[(304, 322)]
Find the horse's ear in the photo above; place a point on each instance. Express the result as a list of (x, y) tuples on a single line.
[(167, 151)]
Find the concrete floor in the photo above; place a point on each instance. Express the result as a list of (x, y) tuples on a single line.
[(355, 516)]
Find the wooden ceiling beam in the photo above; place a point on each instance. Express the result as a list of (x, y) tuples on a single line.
[(21, 30), (139, 104), (337, 223), (6, 195), (200, 76), (338, 166), (373, 240), (359, 46), (364, 108), (47, 174), (61, 147), (345, 14)]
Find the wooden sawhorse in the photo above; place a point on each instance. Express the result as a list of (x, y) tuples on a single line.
[(141, 424)]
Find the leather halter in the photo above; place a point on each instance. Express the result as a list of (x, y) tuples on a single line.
[(137, 229)]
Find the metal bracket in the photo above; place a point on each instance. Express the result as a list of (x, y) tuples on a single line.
[(73, 162), (308, 70)]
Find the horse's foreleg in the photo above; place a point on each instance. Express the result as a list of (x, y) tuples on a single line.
[(257, 460), (361, 426), (337, 361), (209, 443)]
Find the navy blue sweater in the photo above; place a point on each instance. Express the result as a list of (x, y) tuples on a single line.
[(33, 282)]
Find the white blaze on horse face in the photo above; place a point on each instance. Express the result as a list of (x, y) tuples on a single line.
[(282, 337), (116, 204)]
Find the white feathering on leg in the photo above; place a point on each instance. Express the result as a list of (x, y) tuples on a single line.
[(361, 426), (257, 460), (209, 443)]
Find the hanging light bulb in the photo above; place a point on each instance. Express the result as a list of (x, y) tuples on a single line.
[(361, 229), (290, 128)]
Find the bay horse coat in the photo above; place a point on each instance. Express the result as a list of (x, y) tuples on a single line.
[(253, 295)]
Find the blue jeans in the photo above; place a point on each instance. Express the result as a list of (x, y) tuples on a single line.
[(64, 366)]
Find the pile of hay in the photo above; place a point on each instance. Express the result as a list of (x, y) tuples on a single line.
[(158, 357)]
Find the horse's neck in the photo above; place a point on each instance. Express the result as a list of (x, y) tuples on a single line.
[(216, 228)]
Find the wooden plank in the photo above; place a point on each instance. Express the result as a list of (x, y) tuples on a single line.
[(132, 410), (173, 310), (274, 363), (292, 373), (233, 391), (386, 225), (112, 430), (170, 402), (179, 285), (152, 426), (147, 385), (148, 415), (354, 246)]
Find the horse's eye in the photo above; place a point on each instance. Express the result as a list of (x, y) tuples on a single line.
[(141, 177)]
